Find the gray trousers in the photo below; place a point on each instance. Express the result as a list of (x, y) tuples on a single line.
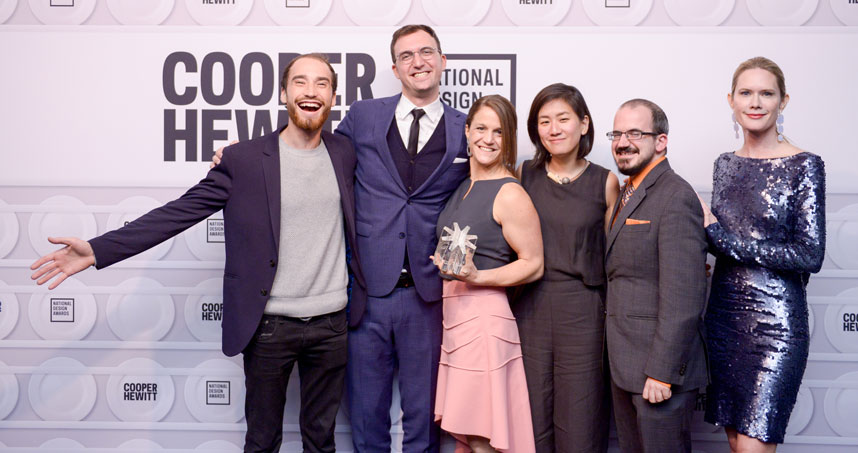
[(643, 427)]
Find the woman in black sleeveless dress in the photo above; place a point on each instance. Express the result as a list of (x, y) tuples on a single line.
[(561, 317), (482, 391)]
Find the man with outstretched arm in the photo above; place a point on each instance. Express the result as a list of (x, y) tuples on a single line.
[(288, 204)]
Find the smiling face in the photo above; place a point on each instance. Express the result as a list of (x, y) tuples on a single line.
[(757, 100), (309, 94), (485, 137), (420, 77), (560, 129), (632, 156)]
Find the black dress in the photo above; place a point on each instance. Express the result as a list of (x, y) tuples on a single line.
[(561, 318), (769, 237)]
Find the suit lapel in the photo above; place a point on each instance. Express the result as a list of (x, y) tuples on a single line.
[(271, 172), (634, 201), (454, 130), (336, 155), (388, 109)]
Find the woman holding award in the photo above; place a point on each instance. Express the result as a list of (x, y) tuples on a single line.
[(482, 392)]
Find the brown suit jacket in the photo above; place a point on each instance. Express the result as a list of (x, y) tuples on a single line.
[(655, 264)]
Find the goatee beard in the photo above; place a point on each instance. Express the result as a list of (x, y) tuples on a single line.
[(308, 124)]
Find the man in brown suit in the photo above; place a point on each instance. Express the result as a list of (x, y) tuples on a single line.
[(655, 263)]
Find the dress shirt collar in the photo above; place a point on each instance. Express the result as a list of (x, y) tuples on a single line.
[(434, 110)]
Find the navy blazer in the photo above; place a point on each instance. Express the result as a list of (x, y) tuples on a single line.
[(388, 217), (246, 185)]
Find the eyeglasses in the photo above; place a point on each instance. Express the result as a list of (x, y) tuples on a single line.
[(425, 53), (633, 134)]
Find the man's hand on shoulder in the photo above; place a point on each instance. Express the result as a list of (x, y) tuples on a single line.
[(218, 155)]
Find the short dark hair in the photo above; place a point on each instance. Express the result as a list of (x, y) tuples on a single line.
[(315, 55), (569, 95), (409, 29), (509, 122), (659, 118)]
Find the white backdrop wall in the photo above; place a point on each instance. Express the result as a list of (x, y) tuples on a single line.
[(110, 108)]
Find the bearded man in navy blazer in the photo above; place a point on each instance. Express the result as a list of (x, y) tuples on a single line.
[(288, 206), (412, 154)]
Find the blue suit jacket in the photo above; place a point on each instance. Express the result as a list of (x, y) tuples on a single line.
[(246, 185), (388, 217)]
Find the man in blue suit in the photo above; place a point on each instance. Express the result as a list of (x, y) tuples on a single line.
[(412, 154), (288, 206)]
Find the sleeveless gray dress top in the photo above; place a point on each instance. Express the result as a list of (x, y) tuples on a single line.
[(475, 211)]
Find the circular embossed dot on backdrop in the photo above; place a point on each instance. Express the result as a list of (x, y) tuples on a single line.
[(136, 314), (219, 13), (206, 238), (218, 445), (617, 12), (842, 236), (9, 310), (79, 224), (61, 396), (841, 405), (217, 395), (135, 12), (456, 12), (295, 446), (841, 322), (133, 208), (204, 312), (782, 12), (376, 12), (536, 14), (140, 397), (61, 443), (699, 13), (298, 12), (60, 315), (8, 391), (7, 7), (62, 12), (139, 445), (846, 11), (9, 229), (811, 321), (801, 413)]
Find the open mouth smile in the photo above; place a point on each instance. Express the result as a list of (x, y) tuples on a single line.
[(310, 106)]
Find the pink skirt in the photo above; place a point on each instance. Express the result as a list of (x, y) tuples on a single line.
[(481, 385)]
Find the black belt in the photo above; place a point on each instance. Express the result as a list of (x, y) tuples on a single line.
[(309, 318), (405, 280)]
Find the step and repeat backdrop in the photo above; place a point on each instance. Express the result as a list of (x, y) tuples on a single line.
[(113, 107)]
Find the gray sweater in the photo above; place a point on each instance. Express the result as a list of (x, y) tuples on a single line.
[(311, 276)]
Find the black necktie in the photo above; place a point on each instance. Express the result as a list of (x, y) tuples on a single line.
[(415, 131)]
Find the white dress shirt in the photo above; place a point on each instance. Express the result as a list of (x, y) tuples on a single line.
[(428, 122)]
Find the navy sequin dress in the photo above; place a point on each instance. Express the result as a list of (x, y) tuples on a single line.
[(769, 237)]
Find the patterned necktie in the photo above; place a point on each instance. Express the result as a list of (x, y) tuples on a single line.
[(627, 193), (415, 131)]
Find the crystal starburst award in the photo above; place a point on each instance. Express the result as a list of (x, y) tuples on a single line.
[(454, 246)]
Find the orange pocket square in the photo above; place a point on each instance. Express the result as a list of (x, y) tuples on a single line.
[(636, 222)]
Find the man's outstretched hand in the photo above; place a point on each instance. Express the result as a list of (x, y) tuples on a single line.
[(76, 256)]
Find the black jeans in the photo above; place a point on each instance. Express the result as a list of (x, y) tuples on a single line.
[(319, 345)]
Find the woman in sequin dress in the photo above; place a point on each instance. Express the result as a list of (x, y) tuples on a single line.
[(766, 229), (481, 395)]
